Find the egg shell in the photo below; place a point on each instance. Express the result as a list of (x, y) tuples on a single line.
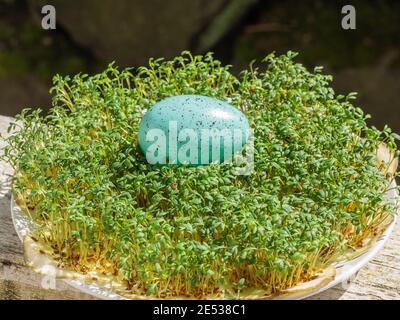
[(192, 125)]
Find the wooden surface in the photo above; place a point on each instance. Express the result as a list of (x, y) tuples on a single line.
[(379, 279)]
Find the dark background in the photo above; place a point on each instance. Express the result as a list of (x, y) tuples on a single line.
[(92, 33)]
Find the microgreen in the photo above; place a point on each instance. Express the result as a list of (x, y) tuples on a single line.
[(315, 193)]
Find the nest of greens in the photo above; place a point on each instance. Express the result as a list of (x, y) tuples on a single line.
[(316, 193)]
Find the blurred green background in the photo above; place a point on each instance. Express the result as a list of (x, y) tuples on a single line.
[(92, 33)]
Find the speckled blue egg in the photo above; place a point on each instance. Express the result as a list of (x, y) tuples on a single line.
[(192, 129)]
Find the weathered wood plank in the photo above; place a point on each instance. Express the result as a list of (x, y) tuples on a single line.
[(379, 279)]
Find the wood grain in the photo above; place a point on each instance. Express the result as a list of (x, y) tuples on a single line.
[(379, 279)]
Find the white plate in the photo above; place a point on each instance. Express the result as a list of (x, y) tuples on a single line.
[(344, 271)]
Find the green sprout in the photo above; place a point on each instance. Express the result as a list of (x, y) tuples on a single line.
[(316, 191)]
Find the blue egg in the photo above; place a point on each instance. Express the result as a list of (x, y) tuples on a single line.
[(192, 129)]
